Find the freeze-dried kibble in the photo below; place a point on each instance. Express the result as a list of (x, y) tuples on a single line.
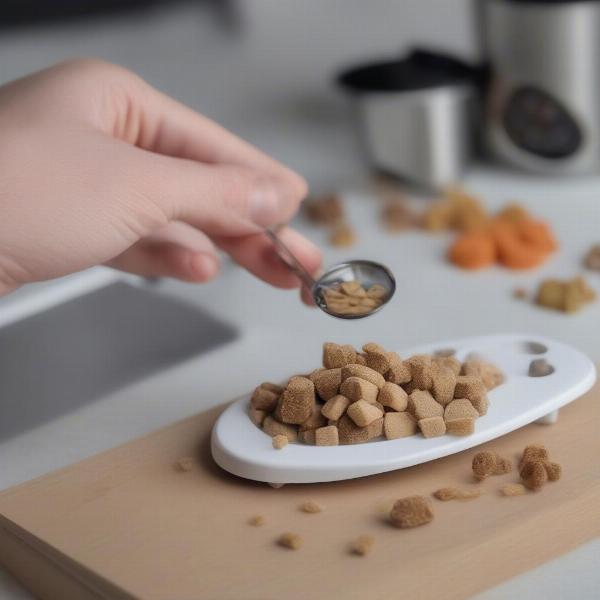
[(540, 367), (307, 437), (185, 463), (432, 426), (469, 387), (376, 357), (422, 405), (257, 416), (443, 384), (503, 466), (273, 427), (289, 540), (315, 420), (264, 399), (592, 258), (256, 521), (398, 424), (411, 512), (311, 507), (399, 371), (335, 407), (460, 426), (513, 489), (362, 545), (351, 433), (489, 374), (566, 296), (327, 382), (481, 404), (393, 396), (342, 235), (533, 474), (452, 493), (421, 371), (355, 388), (363, 372), (327, 436), (484, 464), (534, 452), (324, 210), (279, 441), (296, 402), (448, 361), (363, 413), (350, 298), (336, 356), (553, 470)]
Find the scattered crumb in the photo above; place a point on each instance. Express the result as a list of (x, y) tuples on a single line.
[(280, 441), (520, 293), (185, 463), (293, 541), (362, 545), (592, 258), (452, 493), (566, 296), (342, 236), (553, 470), (412, 511), (256, 521), (503, 466), (310, 506), (513, 489)]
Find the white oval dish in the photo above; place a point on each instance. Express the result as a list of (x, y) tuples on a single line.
[(241, 448)]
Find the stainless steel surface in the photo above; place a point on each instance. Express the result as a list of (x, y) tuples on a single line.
[(366, 272), (553, 48), (424, 136)]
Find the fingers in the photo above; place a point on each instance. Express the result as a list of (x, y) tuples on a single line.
[(257, 254)]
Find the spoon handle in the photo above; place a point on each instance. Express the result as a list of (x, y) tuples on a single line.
[(291, 262)]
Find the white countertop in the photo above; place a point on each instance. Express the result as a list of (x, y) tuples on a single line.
[(280, 101)]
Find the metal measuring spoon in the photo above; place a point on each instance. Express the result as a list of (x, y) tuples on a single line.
[(366, 272)]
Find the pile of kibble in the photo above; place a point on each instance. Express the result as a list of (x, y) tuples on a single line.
[(359, 396)]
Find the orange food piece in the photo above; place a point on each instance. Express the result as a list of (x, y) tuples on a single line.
[(474, 250), (520, 245), (537, 234)]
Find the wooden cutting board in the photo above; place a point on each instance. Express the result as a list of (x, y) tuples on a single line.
[(126, 524)]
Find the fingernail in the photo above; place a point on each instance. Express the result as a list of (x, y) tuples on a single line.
[(265, 203), (203, 266)]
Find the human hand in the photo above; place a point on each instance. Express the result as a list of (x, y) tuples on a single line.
[(97, 167)]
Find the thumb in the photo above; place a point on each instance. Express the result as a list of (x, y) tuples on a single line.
[(221, 200)]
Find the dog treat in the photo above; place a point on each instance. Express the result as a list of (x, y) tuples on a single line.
[(289, 540), (393, 396), (279, 441), (474, 250), (461, 426), (399, 371), (257, 416), (363, 372), (351, 433), (513, 489), (362, 545), (315, 420), (376, 357), (185, 463), (355, 388), (553, 470), (342, 235), (421, 371), (422, 405), (540, 367), (351, 298), (534, 452), (469, 387), (592, 258), (296, 402), (397, 216), (335, 407), (256, 521), (264, 398), (324, 210), (411, 512), (327, 436), (273, 427), (432, 427), (503, 466), (398, 424), (484, 464), (536, 468), (311, 507), (327, 382), (336, 356), (452, 493), (308, 437), (443, 384), (489, 374), (533, 474), (363, 413), (566, 296)]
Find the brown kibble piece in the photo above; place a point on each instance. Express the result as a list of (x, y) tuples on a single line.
[(327, 436), (324, 210), (503, 466), (335, 407), (363, 413), (185, 463), (540, 367), (534, 475), (355, 388), (422, 405), (311, 507), (273, 427), (451, 362), (484, 464), (271, 387), (376, 357), (362, 545), (351, 433), (553, 470), (289, 540), (432, 426), (592, 258), (513, 489), (566, 296), (452, 493), (257, 416), (398, 424), (315, 420), (327, 382), (399, 371), (336, 356), (460, 426), (443, 383), (535, 452), (393, 396), (489, 374), (279, 441), (296, 402), (256, 521), (363, 373), (264, 399), (411, 512), (460, 408), (520, 293), (342, 235), (481, 405), (469, 387), (307, 437), (421, 370)]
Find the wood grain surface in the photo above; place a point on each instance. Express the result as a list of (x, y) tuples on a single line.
[(127, 524)]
